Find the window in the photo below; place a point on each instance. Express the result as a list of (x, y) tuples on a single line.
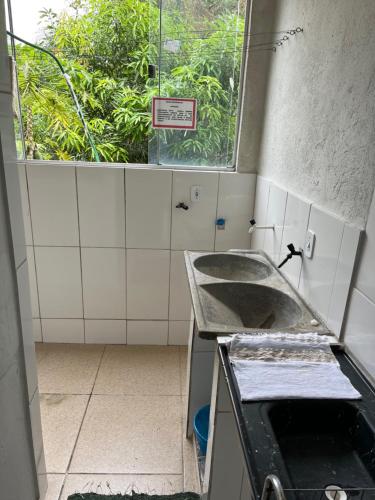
[(118, 55)]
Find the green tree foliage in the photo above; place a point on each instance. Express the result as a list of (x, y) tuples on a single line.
[(106, 47)]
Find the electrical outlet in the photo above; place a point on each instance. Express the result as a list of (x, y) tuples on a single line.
[(195, 193), (309, 244)]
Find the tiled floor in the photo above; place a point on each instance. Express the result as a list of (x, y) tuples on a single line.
[(112, 419)]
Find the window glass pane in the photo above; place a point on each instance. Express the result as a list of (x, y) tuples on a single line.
[(200, 53), (118, 54)]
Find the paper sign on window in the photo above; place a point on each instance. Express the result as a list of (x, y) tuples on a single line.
[(174, 113)]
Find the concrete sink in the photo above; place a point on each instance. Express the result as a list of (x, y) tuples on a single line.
[(248, 305), (232, 267)]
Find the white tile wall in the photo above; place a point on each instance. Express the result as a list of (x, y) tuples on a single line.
[(147, 284), (147, 332), (344, 271), (104, 331), (318, 273), (59, 282), (275, 217), (366, 275), (359, 331), (260, 211), (325, 279), (33, 285), (103, 278), (179, 332), (295, 226), (180, 300), (53, 202), (148, 208), (101, 205), (63, 330), (84, 271), (194, 229), (235, 205), (25, 204)]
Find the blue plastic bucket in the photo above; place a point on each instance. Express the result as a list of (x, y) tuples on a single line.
[(201, 424)]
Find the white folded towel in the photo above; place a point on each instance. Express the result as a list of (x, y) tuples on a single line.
[(287, 366)]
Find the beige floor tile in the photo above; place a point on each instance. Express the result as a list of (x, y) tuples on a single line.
[(191, 480), (55, 482), (121, 484), (130, 435), (68, 368), (183, 368), (61, 419), (139, 370)]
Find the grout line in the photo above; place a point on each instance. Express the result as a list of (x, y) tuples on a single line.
[(80, 252), (80, 427), (217, 209), (126, 260)]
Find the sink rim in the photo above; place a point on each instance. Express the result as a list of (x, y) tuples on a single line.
[(262, 263)]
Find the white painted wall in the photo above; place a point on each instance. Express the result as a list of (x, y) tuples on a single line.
[(105, 247), (311, 127)]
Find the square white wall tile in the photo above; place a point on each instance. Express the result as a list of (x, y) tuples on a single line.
[(33, 285), (148, 208), (179, 299), (147, 332), (103, 276), (63, 330), (147, 274), (344, 272), (194, 229), (236, 205), (366, 273), (275, 217), (37, 330), (53, 204), (105, 331), (101, 205), (295, 226), (318, 273), (359, 330), (59, 282), (262, 194), (27, 328), (179, 332), (25, 204)]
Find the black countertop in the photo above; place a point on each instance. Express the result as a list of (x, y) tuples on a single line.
[(259, 442)]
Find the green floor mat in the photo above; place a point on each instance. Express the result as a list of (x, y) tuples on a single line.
[(134, 496)]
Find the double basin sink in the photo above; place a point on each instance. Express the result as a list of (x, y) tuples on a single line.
[(242, 292)]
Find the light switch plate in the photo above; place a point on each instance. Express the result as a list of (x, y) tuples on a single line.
[(309, 244)]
